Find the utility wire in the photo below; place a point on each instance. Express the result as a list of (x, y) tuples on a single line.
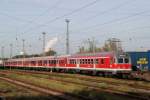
[(43, 13), (67, 14), (109, 10), (15, 18), (113, 21), (46, 11), (30, 21), (110, 22), (135, 28)]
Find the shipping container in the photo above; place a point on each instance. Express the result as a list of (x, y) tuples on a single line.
[(140, 60)]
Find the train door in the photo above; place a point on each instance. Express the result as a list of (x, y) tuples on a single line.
[(107, 62), (45, 62), (71, 62), (39, 62), (102, 63), (62, 62)]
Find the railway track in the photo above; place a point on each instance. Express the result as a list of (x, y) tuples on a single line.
[(57, 94), (87, 81), (130, 83), (91, 86)]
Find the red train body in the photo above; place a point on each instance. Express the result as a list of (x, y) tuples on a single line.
[(100, 62)]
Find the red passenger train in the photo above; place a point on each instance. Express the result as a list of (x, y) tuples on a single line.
[(106, 62)]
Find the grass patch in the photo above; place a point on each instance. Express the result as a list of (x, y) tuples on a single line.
[(10, 90), (38, 79)]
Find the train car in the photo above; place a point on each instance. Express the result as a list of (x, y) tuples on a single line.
[(106, 62), (101, 62), (140, 60)]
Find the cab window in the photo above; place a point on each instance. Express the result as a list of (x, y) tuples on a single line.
[(120, 60), (126, 60)]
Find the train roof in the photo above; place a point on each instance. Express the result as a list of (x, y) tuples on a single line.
[(138, 51), (83, 55), (39, 58), (101, 54)]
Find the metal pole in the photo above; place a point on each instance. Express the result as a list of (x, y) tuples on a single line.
[(67, 37), (44, 43), (94, 45), (23, 47), (2, 52), (11, 46)]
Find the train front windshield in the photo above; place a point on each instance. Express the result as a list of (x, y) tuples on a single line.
[(123, 60)]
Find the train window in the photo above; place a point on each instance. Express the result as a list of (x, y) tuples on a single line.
[(120, 60), (62, 61), (50, 62), (54, 61), (75, 61), (39, 62), (102, 61), (114, 60), (82, 61), (32, 62), (86, 61), (126, 60), (72, 61), (45, 61), (96, 61), (92, 61), (111, 60)]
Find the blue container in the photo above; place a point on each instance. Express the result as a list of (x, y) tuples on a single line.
[(140, 60)]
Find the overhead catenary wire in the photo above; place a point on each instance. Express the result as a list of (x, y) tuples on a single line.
[(46, 11), (112, 21), (110, 10), (15, 18), (62, 16), (115, 20)]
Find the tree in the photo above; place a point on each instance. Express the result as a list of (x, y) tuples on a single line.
[(113, 44), (50, 53)]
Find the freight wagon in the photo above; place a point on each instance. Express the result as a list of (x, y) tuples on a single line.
[(140, 60)]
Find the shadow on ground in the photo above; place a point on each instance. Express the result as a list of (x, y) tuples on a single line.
[(90, 94), (31, 98), (101, 95)]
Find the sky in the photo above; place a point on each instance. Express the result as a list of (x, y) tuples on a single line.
[(128, 20)]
